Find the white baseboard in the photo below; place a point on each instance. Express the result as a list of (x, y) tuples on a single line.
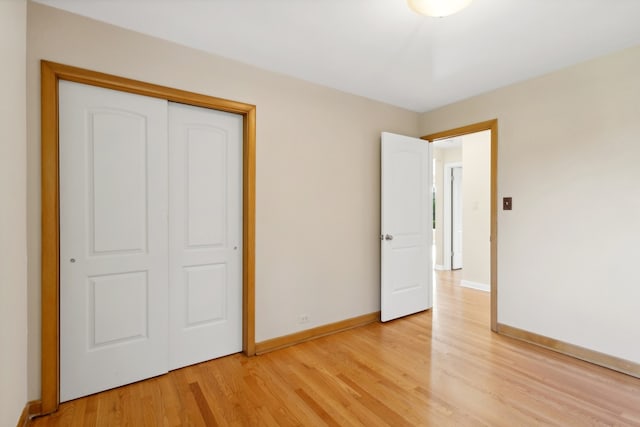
[(475, 285), (439, 267)]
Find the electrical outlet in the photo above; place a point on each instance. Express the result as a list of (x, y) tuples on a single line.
[(303, 318)]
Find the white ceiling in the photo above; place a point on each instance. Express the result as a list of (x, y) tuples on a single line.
[(448, 144), (382, 50)]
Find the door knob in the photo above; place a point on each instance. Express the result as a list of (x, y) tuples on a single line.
[(388, 237)]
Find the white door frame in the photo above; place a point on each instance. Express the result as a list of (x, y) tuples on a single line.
[(446, 256)]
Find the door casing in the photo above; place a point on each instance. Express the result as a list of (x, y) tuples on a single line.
[(51, 73)]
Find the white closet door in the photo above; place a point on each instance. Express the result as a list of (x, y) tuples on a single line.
[(113, 239), (205, 192)]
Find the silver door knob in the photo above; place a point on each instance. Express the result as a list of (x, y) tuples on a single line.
[(388, 237)]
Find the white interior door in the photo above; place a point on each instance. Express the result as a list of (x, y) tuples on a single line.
[(406, 218), (205, 234), (113, 238), (456, 218)]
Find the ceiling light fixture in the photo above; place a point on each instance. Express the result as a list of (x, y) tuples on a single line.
[(438, 8)]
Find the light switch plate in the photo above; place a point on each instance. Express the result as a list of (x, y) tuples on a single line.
[(507, 204)]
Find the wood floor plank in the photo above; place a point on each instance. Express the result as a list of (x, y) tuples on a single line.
[(443, 367), (205, 411), (317, 408)]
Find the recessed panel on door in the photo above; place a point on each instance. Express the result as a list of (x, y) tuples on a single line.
[(206, 174), (113, 238), (206, 294), (205, 234), (118, 201), (404, 260), (406, 172), (125, 294)]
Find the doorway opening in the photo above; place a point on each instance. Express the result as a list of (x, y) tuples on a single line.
[(491, 128)]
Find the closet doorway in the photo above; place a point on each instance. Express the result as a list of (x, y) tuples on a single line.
[(53, 75)]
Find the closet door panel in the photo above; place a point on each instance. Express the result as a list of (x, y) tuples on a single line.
[(205, 312), (113, 238)]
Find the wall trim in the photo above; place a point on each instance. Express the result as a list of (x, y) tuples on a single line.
[(317, 332), (30, 410), (491, 125), (611, 362), (439, 267), (475, 285), (51, 73)]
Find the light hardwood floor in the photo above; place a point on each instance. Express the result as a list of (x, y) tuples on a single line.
[(442, 368)]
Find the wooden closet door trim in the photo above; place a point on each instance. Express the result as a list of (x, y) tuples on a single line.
[(51, 73)]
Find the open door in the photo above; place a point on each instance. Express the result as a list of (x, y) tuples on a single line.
[(406, 226)]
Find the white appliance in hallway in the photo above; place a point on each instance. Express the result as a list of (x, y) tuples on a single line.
[(456, 218)]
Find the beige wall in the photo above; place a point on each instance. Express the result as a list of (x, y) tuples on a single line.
[(568, 155), (318, 156), (441, 157), (476, 209), (13, 193)]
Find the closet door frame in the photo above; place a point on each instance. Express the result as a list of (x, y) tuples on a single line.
[(51, 74)]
